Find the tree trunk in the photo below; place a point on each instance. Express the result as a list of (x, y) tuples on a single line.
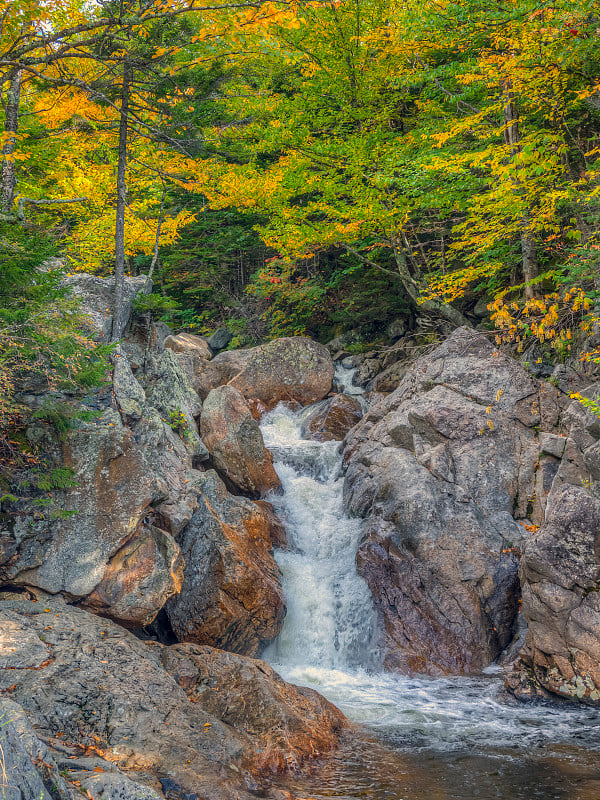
[(156, 251), (118, 324), (512, 137), (431, 306), (8, 180), (530, 264)]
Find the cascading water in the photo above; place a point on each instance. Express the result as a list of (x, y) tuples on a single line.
[(436, 739), (330, 621)]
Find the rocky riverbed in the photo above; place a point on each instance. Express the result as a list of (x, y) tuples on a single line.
[(132, 621)]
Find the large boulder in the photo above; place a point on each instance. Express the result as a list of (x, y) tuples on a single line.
[(560, 574), (188, 343), (182, 721), (333, 418), (139, 578), (235, 443), (220, 370), (289, 721), (112, 495), (220, 339), (443, 471), (97, 297), (128, 488), (231, 596), (288, 369)]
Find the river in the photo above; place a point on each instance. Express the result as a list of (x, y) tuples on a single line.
[(418, 738)]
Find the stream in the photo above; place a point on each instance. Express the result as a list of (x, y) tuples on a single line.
[(418, 738)]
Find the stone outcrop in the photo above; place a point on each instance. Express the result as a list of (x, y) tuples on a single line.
[(169, 392), (560, 574), (110, 543), (27, 768), (139, 578), (288, 369), (150, 721), (333, 419), (96, 296), (293, 369), (235, 443), (277, 531), (382, 370), (443, 470), (290, 722), (560, 570), (231, 596), (113, 494)]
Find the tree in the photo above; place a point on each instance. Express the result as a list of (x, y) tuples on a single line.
[(64, 48), (444, 134)]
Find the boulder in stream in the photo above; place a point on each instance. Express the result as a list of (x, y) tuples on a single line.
[(333, 418), (231, 595), (235, 443), (293, 369)]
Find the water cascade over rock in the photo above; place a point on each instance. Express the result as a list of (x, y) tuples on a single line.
[(330, 622)]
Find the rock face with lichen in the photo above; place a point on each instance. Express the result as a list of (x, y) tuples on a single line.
[(235, 443), (560, 574), (132, 464), (293, 369), (107, 710), (443, 471)]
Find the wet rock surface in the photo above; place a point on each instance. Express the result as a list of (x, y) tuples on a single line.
[(141, 718), (333, 420), (443, 470), (235, 443), (231, 595)]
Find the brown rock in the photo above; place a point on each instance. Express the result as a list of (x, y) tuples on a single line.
[(188, 343), (231, 596), (334, 419), (220, 370), (292, 368), (235, 443), (114, 490), (277, 531), (139, 579), (203, 721), (257, 408), (289, 721)]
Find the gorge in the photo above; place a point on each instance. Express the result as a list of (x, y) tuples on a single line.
[(435, 578)]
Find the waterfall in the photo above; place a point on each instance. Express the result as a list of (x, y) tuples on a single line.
[(330, 623)]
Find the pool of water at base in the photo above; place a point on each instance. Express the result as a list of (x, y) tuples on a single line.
[(450, 739)]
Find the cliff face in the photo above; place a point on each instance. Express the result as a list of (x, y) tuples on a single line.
[(478, 485)]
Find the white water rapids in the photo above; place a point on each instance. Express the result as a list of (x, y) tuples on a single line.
[(328, 640)]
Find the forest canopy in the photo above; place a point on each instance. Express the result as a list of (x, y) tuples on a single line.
[(303, 167)]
